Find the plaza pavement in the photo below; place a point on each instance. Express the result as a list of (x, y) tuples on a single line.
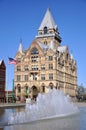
[(9, 105), (80, 104)]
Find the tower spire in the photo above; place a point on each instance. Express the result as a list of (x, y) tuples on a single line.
[(48, 20), (20, 47), (48, 27)]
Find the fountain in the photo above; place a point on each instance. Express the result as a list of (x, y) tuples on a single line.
[(50, 105)]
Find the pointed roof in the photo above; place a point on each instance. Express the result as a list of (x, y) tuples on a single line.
[(46, 47), (0, 62), (48, 21), (43, 46), (62, 48), (20, 47)]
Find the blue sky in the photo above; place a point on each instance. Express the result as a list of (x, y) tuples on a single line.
[(22, 18)]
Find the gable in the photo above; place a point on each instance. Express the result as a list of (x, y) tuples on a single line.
[(50, 52), (35, 48)]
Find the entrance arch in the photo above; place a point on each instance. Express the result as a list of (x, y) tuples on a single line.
[(51, 85), (34, 92)]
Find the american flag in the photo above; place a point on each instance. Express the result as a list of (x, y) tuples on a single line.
[(12, 61)]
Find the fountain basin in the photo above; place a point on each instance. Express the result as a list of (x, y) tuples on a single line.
[(51, 105)]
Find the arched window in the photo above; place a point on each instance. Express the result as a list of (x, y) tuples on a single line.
[(19, 88), (51, 85), (45, 30), (34, 51), (45, 42), (43, 89), (26, 88), (67, 56)]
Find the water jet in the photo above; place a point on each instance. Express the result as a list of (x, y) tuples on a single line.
[(50, 105)]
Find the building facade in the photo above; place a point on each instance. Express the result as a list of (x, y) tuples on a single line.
[(2, 81), (45, 64)]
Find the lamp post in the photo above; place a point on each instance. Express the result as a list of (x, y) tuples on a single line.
[(13, 92)]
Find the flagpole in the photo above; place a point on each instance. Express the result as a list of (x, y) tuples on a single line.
[(12, 61), (7, 95)]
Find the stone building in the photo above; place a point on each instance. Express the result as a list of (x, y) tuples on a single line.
[(45, 64), (2, 81)]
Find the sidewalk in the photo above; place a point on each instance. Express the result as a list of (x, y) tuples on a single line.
[(80, 104), (10, 105)]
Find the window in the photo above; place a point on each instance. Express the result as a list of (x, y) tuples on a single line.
[(51, 76), (50, 57), (59, 60), (51, 85), (34, 58), (18, 68), (40, 33), (58, 53), (26, 67), (43, 67), (19, 59), (43, 89), (45, 42), (26, 77), (34, 51), (50, 66), (18, 77), (19, 89), (26, 89), (34, 76), (45, 30), (35, 67), (42, 76), (67, 56)]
